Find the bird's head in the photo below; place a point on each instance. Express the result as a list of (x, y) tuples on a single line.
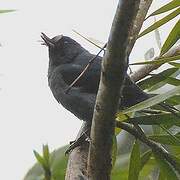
[(62, 49)]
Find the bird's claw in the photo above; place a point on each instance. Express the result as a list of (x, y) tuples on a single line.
[(78, 142)]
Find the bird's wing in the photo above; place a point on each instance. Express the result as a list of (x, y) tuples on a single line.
[(89, 81)]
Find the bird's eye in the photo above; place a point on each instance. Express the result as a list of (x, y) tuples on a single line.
[(65, 42)]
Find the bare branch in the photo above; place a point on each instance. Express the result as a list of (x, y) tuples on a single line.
[(79, 164), (114, 67)]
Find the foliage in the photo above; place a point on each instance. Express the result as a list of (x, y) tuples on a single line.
[(6, 11), (140, 163), (55, 163)]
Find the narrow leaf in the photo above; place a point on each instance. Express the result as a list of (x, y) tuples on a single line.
[(145, 158), (175, 100), (152, 101), (173, 37), (175, 64), (165, 119), (162, 76), (166, 139), (160, 22), (159, 61), (173, 4), (173, 81), (166, 81), (135, 162), (39, 159), (167, 170), (161, 176), (46, 154), (7, 11)]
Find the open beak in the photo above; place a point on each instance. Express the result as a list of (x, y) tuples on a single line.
[(46, 40)]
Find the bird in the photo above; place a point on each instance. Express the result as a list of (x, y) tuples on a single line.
[(67, 59)]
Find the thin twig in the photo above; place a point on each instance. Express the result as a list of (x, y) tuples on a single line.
[(85, 69), (87, 39), (157, 148)]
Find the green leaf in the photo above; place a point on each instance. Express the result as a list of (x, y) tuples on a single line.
[(173, 81), (175, 64), (164, 118), (162, 76), (145, 158), (58, 163), (148, 169), (165, 168), (161, 176), (152, 101), (175, 100), (166, 139), (135, 162), (166, 129), (40, 159), (173, 4), (7, 11), (173, 37), (46, 154), (159, 61), (166, 81), (176, 159), (160, 22)]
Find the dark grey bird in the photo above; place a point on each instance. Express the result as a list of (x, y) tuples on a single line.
[(67, 59)]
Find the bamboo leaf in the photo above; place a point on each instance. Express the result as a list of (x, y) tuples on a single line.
[(162, 76), (173, 4), (160, 22), (173, 81), (166, 81), (175, 64), (175, 100), (40, 159), (46, 154), (145, 158), (173, 37), (158, 119), (152, 101), (135, 162), (58, 167), (7, 10), (166, 139), (159, 61), (166, 169)]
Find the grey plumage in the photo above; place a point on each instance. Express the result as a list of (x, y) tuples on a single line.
[(67, 59)]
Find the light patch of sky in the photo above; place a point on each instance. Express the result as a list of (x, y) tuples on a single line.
[(29, 114)]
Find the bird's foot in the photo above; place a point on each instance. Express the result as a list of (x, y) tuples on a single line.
[(78, 142)]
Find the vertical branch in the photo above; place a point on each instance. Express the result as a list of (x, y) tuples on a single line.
[(114, 67), (77, 164)]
